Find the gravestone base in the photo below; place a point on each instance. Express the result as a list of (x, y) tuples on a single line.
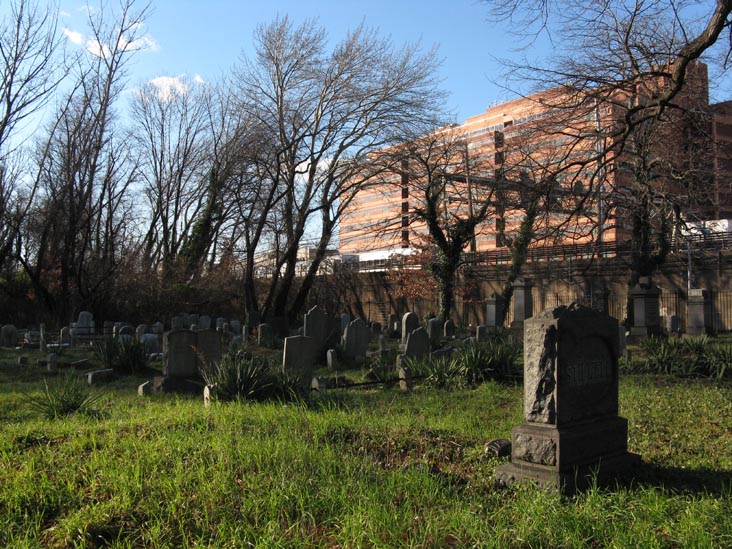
[(569, 457), (173, 384)]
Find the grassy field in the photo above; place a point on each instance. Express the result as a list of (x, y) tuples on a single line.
[(359, 468)]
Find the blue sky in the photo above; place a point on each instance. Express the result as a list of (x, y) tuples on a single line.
[(206, 38)]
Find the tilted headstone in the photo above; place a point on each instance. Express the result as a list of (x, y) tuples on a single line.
[(356, 340), (8, 336), (410, 322), (418, 343), (179, 358), (299, 356), (572, 429)]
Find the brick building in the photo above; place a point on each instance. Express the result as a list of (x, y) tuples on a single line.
[(540, 146)]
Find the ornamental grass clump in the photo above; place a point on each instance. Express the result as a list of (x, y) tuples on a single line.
[(67, 395), (241, 376)]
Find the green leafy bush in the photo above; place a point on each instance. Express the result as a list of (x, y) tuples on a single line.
[(68, 395), (241, 376), (720, 361)]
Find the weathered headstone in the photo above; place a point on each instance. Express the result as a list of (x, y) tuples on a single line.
[(85, 323), (140, 331), (193, 318), (345, 321), (65, 336), (448, 329), (235, 327), (481, 333), (145, 389), (220, 321), (356, 340), (52, 362), (204, 322), (209, 348), (434, 330), (151, 342), (179, 359), (523, 308), (698, 312), (646, 309), (572, 429), (494, 310), (410, 322), (8, 336), (405, 378), (299, 356), (316, 325), (418, 343), (331, 357), (125, 335), (265, 336)]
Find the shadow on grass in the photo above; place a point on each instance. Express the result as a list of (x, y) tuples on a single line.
[(705, 481)]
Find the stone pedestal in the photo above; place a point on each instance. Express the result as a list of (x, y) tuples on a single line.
[(646, 316), (698, 312), (572, 431)]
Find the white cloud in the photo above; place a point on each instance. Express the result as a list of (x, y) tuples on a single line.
[(97, 49), (74, 36), (198, 79), (144, 43), (168, 87)]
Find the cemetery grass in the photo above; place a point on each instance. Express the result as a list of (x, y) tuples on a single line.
[(357, 468)]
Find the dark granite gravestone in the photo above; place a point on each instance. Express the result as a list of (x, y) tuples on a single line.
[(410, 322), (572, 429), (299, 356), (646, 309)]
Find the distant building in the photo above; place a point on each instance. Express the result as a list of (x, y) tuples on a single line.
[(379, 221)]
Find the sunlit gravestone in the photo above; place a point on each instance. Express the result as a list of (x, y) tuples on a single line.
[(572, 432)]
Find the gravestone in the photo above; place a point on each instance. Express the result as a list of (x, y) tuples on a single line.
[(158, 328), (299, 356), (176, 323), (410, 322), (448, 329), (481, 333), (209, 347), (151, 343), (140, 331), (646, 309), (235, 326), (331, 357), (393, 326), (193, 319), (265, 335), (572, 429), (418, 343), (235, 343), (698, 312), (434, 330), (316, 325), (204, 322), (8, 336), (523, 308), (65, 336), (125, 335), (495, 310), (179, 360), (220, 321), (356, 340), (85, 323), (43, 342), (345, 321)]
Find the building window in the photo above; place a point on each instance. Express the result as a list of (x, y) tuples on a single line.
[(498, 139)]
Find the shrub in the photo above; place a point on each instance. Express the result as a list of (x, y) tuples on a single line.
[(124, 358), (240, 376), (67, 396), (720, 361)]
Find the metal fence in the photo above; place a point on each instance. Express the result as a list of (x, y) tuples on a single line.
[(473, 312)]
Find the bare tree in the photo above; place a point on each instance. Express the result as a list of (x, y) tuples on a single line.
[(325, 113), (170, 129), (30, 72), (75, 235)]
